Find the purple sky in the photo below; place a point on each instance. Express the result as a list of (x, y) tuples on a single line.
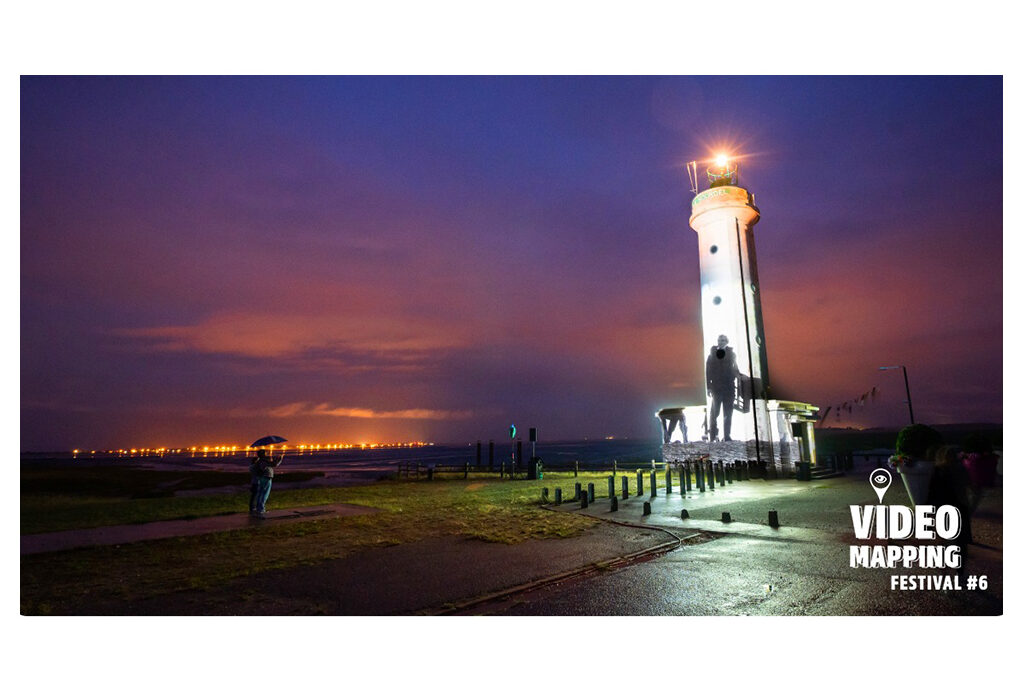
[(208, 260)]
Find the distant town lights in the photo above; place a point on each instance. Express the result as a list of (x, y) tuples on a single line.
[(230, 450)]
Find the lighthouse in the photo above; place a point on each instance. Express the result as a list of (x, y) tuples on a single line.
[(738, 419)]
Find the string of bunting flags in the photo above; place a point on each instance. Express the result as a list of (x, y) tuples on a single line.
[(849, 406)]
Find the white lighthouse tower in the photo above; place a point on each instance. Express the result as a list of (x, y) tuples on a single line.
[(738, 419)]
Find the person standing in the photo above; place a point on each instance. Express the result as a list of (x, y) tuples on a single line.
[(721, 373), (254, 484), (980, 462), (950, 485), (264, 469)]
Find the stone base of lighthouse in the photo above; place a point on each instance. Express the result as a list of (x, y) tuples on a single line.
[(789, 437)]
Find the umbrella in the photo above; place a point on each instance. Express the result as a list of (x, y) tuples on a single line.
[(267, 440)]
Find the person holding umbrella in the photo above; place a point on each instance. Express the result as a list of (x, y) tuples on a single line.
[(262, 470)]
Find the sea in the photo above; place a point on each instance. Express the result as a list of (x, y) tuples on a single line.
[(350, 466)]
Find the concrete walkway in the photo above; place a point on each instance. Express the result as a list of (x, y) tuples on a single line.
[(125, 534), (747, 567)]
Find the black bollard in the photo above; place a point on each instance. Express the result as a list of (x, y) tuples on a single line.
[(625, 487), (668, 480), (519, 454), (711, 476), (654, 483), (614, 504), (689, 476), (503, 469), (699, 470), (478, 453), (579, 490), (682, 480), (465, 473), (726, 518), (684, 514), (576, 469), (647, 508), (639, 483), (721, 474), (773, 519), (728, 474), (558, 496), (611, 487), (544, 495), (584, 502), (591, 493)]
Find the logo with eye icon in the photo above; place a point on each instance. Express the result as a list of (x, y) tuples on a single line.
[(880, 480)]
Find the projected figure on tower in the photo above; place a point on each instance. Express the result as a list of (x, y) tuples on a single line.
[(721, 372), (671, 422)]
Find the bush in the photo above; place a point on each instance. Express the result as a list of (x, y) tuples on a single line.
[(917, 441)]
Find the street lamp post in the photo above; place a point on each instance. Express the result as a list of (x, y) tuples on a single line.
[(906, 383)]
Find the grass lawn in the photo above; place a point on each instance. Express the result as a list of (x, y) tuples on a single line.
[(69, 497), (482, 507)]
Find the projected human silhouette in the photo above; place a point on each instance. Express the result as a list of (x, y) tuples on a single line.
[(721, 373), (670, 423)]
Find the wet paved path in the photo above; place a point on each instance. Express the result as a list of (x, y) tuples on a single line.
[(800, 568), (124, 534)]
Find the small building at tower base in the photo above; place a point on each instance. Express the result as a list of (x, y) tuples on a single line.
[(789, 438)]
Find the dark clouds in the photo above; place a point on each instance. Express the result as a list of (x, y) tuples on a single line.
[(451, 254)]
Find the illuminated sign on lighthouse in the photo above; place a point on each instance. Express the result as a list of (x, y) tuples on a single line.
[(738, 419)]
